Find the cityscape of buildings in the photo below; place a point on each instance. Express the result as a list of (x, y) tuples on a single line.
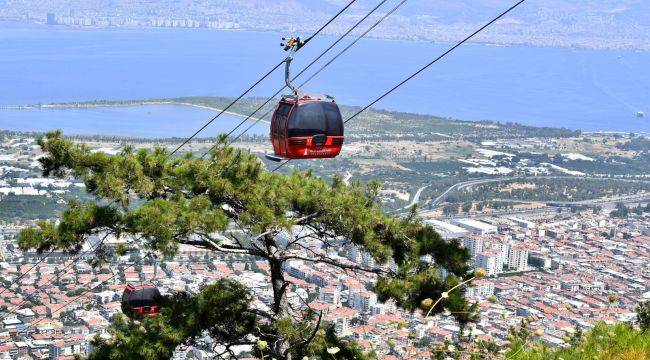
[(590, 25), (564, 271)]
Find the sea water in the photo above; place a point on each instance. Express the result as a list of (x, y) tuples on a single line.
[(561, 87)]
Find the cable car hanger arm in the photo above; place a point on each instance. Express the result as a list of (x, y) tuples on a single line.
[(292, 45)]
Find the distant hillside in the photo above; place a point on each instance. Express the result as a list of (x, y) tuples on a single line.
[(378, 124), (585, 23)]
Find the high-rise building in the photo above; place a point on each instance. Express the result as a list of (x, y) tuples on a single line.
[(518, 258), (490, 261), (367, 260), (362, 300), (474, 245), (330, 295), (481, 288), (354, 254)]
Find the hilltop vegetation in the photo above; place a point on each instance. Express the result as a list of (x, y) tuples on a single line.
[(619, 342), (639, 143), (376, 124)]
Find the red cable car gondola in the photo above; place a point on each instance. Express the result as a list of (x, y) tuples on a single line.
[(140, 301), (305, 126)]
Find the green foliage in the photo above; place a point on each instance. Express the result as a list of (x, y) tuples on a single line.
[(620, 342), (167, 201), (324, 338), (450, 209), (27, 207), (636, 144), (643, 315), (621, 211), (77, 222), (221, 309)]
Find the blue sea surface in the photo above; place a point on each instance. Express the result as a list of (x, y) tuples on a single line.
[(147, 121), (574, 88)]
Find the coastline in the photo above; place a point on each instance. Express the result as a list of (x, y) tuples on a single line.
[(95, 104), (116, 104), (593, 42)]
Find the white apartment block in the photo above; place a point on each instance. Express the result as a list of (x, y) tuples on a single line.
[(523, 223), (491, 261), (354, 254), (474, 245), (362, 300), (518, 258), (330, 295), (481, 289)]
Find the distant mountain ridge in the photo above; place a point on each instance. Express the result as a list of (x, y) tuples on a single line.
[(585, 23)]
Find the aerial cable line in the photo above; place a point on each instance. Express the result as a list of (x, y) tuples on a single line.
[(22, 275), (436, 60), (353, 43), (259, 81), (322, 67), (294, 78), (83, 294), (57, 279), (450, 50), (346, 121), (280, 166), (216, 116), (316, 73)]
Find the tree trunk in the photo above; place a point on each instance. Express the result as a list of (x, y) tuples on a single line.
[(280, 303)]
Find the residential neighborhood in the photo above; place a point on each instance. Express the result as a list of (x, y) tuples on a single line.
[(564, 271)]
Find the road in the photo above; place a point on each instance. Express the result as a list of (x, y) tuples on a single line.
[(416, 197), (470, 183), (466, 185), (555, 208)]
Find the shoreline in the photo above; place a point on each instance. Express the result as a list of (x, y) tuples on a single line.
[(118, 104), (93, 104), (595, 43)]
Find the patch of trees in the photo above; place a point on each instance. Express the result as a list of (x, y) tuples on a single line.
[(551, 189), (614, 165), (28, 207), (640, 143), (622, 211)]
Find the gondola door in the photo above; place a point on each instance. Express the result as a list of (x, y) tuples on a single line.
[(279, 128)]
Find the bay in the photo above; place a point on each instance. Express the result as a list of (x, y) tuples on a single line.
[(146, 121), (575, 88)]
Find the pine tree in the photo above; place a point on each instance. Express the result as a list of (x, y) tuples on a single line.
[(643, 315), (229, 204)]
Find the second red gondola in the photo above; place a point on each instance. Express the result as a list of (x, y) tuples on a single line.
[(140, 301)]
